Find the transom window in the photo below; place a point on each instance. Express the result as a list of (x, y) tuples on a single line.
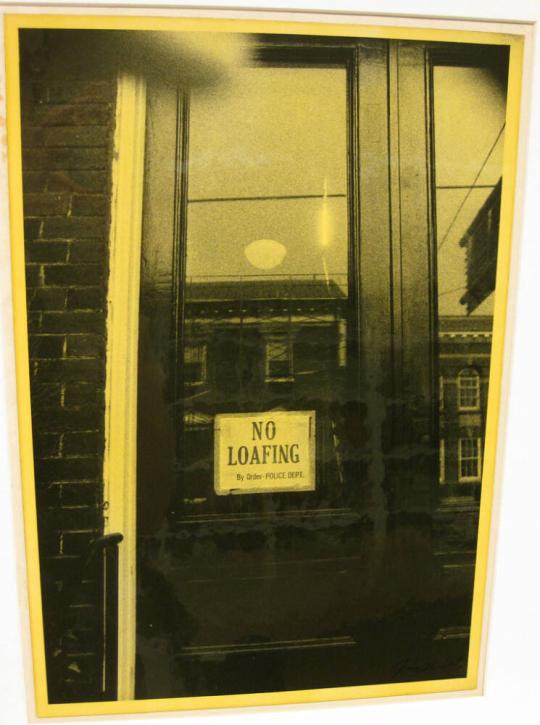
[(469, 459), (468, 390)]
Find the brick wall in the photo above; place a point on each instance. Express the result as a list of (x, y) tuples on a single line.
[(67, 128)]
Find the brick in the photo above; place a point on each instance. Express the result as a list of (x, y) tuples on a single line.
[(86, 298), (34, 181), (84, 668), (80, 494), (45, 204), (70, 227), (70, 370), (82, 394), (48, 497), (66, 136), (89, 205), (32, 229), (61, 566), (72, 322), (32, 135), (47, 251), (33, 272), (95, 114), (46, 346), (34, 320), (87, 443), (77, 542), (39, 92), (86, 636), (45, 406), (81, 91), (82, 616), (50, 541), (71, 274), (81, 517), (76, 419), (87, 250), (80, 181), (74, 517), (54, 518), (28, 104), (81, 651), (68, 469), (84, 346), (46, 298), (47, 445), (37, 159)]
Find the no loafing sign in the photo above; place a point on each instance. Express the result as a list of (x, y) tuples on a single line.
[(264, 452)]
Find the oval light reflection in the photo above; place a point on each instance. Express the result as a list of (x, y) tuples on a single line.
[(265, 253)]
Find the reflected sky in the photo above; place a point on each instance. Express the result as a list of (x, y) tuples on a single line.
[(469, 107), (268, 160)]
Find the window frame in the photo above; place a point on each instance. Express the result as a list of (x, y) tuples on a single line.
[(477, 458), (283, 340), (442, 461), (203, 378), (442, 384), (465, 374)]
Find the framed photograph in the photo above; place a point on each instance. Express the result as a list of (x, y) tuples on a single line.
[(260, 286)]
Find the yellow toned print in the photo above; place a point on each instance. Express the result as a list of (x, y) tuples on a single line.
[(186, 275)]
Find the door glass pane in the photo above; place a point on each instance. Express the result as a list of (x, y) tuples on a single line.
[(267, 160), (266, 307)]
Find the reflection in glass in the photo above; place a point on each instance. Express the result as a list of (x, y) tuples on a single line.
[(266, 303), (468, 157)]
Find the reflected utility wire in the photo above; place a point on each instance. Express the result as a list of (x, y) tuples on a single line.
[(471, 187), (450, 291), (281, 197)]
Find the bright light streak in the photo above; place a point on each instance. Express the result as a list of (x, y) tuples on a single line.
[(325, 222)]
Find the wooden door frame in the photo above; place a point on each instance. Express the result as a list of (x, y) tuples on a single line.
[(120, 455)]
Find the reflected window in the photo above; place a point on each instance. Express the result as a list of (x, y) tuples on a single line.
[(468, 390), (279, 359), (469, 462), (195, 363)]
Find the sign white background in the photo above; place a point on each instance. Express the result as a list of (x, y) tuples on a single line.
[(512, 692), (277, 429)]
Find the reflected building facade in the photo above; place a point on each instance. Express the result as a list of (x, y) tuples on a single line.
[(252, 344), (464, 364)]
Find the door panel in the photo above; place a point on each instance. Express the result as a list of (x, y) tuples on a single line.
[(271, 281)]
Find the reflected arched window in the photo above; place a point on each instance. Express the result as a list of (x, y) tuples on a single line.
[(468, 389)]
